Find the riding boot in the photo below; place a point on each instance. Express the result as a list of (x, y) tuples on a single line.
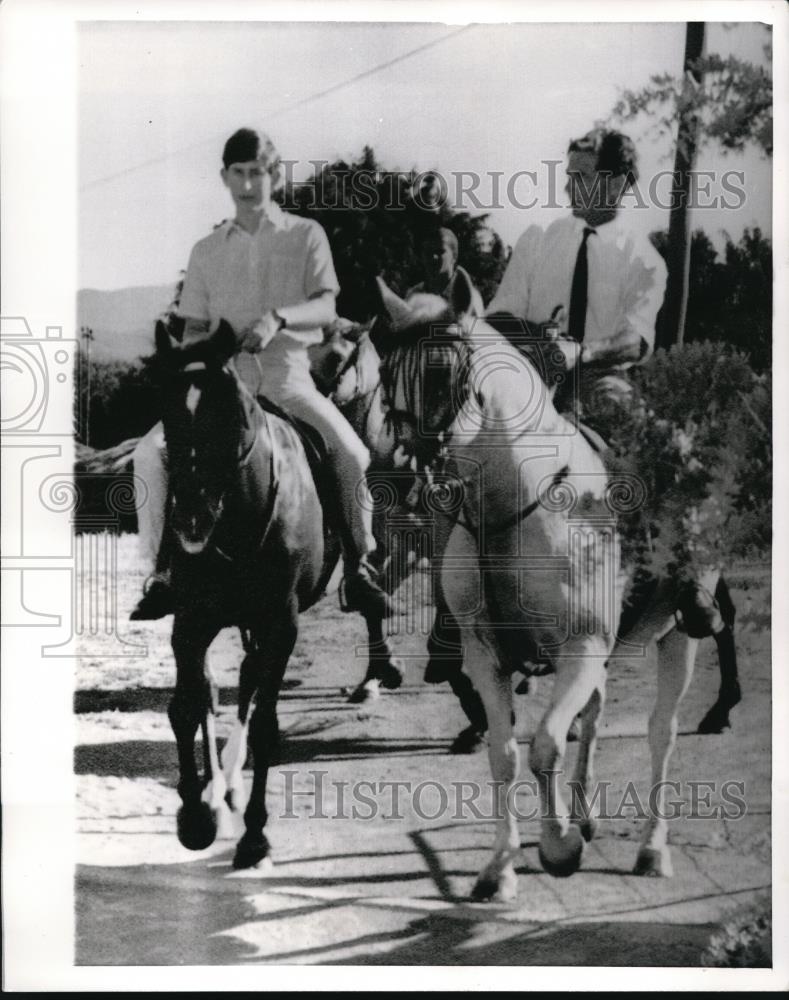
[(360, 591), (699, 609), (157, 599)]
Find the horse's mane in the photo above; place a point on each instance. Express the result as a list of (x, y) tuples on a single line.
[(427, 362)]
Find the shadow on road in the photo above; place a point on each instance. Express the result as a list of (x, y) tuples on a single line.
[(158, 759), (201, 924)]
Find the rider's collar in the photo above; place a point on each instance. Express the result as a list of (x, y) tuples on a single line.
[(272, 216), (608, 231)]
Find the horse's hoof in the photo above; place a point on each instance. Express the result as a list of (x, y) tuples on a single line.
[(484, 889), (367, 692), (588, 827), (252, 853), (654, 863), (236, 800), (503, 889), (468, 741), (196, 825), (562, 857), (439, 671), (714, 722), (390, 674)]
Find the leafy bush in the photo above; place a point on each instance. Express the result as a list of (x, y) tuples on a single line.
[(701, 441), (116, 401), (744, 942)]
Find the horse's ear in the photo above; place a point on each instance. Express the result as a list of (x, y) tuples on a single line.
[(463, 296), (396, 309), (164, 343), (223, 342)]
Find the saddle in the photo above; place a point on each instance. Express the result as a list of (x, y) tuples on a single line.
[(315, 450)]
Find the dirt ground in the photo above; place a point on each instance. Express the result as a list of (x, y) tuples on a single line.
[(392, 888)]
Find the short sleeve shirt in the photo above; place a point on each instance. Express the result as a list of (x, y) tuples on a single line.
[(238, 276)]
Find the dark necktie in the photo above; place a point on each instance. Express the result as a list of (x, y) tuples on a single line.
[(579, 291)]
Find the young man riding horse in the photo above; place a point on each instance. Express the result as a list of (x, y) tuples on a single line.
[(270, 275)]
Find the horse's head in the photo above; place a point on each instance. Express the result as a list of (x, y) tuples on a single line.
[(345, 365), (424, 354), (207, 425)]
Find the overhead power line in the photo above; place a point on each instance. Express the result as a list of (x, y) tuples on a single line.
[(287, 109)]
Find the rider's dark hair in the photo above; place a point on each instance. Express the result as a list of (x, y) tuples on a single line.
[(248, 144), (614, 151)]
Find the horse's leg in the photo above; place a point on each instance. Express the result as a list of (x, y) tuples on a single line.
[(577, 678), (497, 880), (729, 695), (472, 738), (444, 644), (444, 649), (189, 708), (382, 667), (676, 659), (215, 793), (234, 753), (583, 778), (274, 645)]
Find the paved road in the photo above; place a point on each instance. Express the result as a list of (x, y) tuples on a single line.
[(392, 889)]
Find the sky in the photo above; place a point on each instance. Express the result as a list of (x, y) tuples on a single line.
[(156, 101)]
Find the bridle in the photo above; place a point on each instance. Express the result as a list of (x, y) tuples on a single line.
[(439, 481), (393, 371), (246, 450)]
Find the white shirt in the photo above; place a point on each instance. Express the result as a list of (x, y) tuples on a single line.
[(627, 279), (238, 276)]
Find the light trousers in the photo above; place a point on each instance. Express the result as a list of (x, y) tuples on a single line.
[(348, 456)]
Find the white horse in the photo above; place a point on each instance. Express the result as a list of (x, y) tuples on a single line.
[(530, 568)]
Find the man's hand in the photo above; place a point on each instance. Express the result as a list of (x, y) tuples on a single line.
[(571, 350), (256, 338)]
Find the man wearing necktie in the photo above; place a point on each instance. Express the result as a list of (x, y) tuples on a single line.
[(605, 282)]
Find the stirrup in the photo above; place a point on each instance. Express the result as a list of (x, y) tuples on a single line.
[(156, 601)]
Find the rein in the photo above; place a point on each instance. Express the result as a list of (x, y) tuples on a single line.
[(407, 370), (463, 520)]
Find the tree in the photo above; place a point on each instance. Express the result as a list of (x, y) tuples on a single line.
[(375, 220), (729, 300), (727, 102)]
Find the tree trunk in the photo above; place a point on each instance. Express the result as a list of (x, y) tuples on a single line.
[(673, 321)]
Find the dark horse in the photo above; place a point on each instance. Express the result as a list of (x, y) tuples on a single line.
[(251, 547)]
